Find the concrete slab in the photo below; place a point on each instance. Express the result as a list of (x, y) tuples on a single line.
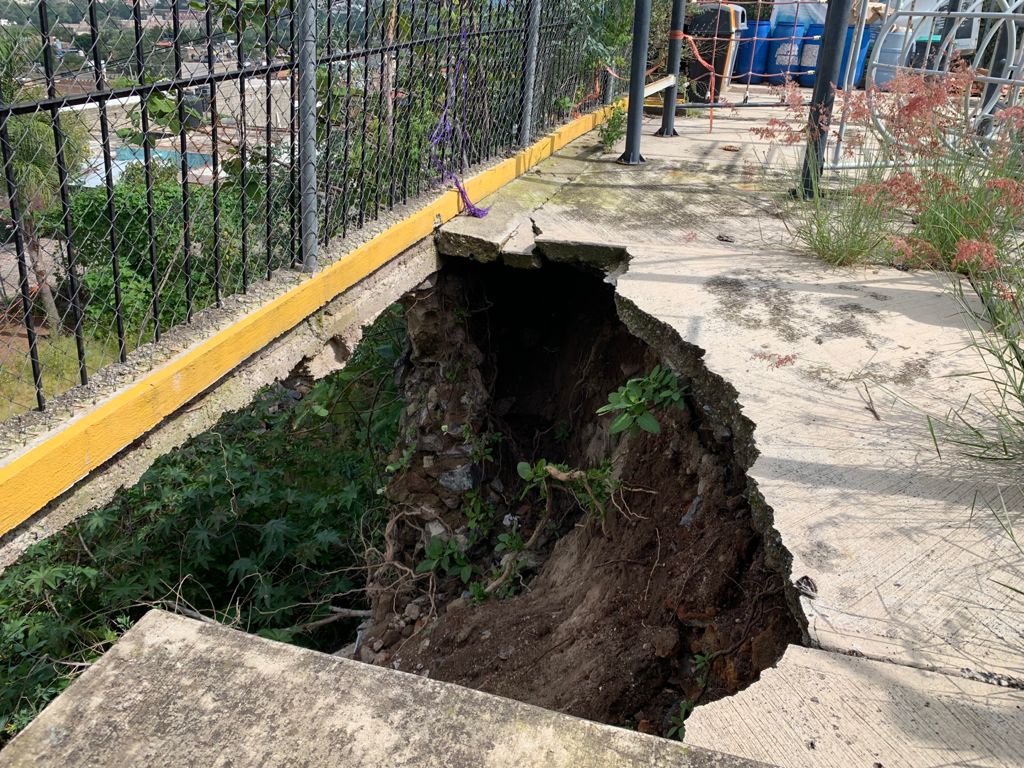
[(819, 709), (177, 692)]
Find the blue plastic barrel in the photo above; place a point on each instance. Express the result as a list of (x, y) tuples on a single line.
[(809, 55), (784, 51), (872, 33), (753, 52), (861, 58)]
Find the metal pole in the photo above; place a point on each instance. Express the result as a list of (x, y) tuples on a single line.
[(851, 67), (824, 95), (675, 55), (637, 69), (530, 72), (307, 134), (607, 88)]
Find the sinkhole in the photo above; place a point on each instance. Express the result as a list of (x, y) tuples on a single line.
[(618, 566)]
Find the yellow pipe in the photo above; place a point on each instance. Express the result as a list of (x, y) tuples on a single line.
[(41, 472)]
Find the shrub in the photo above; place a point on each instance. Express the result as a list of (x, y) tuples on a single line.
[(261, 523)]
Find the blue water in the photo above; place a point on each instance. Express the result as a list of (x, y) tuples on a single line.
[(195, 159), (93, 175)]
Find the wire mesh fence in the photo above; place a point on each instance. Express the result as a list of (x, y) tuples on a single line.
[(151, 148)]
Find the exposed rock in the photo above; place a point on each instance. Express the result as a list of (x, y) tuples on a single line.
[(458, 480)]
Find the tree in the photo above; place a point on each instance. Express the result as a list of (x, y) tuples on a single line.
[(34, 158)]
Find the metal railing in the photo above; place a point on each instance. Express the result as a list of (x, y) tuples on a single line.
[(160, 156), (814, 52)]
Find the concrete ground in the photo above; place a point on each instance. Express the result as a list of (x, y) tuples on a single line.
[(838, 369)]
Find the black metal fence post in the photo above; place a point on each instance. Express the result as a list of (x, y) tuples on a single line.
[(186, 214), (7, 151), (824, 95), (108, 180), (607, 88), (307, 135), (65, 194), (637, 70), (147, 164), (675, 55), (530, 72)]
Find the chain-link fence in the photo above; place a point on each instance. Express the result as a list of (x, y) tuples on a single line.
[(152, 148)]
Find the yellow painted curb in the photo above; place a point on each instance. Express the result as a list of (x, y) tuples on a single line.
[(42, 472)]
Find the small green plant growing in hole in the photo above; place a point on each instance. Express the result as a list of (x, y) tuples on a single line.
[(481, 447), (402, 462), (478, 592), (591, 488), (613, 129), (535, 476), (678, 729), (447, 556), (511, 541), (635, 401), (503, 582), (701, 668), (479, 514)]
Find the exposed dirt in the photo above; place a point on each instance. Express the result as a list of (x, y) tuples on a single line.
[(669, 588)]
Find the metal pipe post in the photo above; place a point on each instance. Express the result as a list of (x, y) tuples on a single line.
[(307, 134), (819, 117), (530, 72), (607, 88), (675, 55), (637, 70), (851, 68)]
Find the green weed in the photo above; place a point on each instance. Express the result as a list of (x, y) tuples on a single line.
[(613, 129), (635, 402), (678, 728), (446, 556)]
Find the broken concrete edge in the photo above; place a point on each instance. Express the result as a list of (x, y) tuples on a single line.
[(720, 399), (316, 346), (723, 410), (606, 258), (174, 691)]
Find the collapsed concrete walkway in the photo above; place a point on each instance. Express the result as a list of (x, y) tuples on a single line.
[(917, 644), (838, 369)]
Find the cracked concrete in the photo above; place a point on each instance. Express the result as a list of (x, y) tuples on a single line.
[(838, 369)]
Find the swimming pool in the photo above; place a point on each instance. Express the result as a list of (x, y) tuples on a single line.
[(93, 175), (134, 154)]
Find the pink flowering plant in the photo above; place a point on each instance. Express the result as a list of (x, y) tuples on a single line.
[(934, 188), (929, 191)]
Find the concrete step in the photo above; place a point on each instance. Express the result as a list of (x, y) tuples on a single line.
[(822, 710), (177, 692)]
